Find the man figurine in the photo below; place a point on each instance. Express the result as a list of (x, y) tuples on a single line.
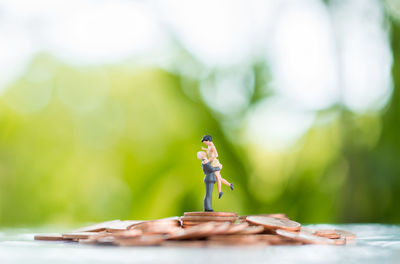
[(209, 179)]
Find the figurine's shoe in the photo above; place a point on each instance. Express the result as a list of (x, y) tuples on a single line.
[(209, 210), (220, 195), (232, 186)]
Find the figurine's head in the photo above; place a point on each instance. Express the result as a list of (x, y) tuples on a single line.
[(207, 139), (201, 155)]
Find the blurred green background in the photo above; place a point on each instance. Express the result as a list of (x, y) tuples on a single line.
[(86, 142)]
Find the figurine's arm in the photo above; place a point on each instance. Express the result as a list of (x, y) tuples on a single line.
[(204, 161), (203, 148), (207, 165), (215, 168)]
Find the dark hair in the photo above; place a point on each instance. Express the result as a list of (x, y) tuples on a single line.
[(207, 138)]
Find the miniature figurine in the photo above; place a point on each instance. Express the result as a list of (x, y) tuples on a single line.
[(212, 157), (209, 179)]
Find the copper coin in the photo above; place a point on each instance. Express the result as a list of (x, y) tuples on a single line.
[(232, 237), (276, 239), (208, 218), (129, 233), (48, 237), (191, 223), (252, 230), (237, 228), (88, 241), (146, 240), (122, 225), (78, 235), (242, 219), (346, 234), (274, 223), (170, 222), (162, 230), (308, 238), (93, 239), (198, 231), (194, 223), (279, 215), (221, 214), (339, 241), (328, 233), (220, 228), (236, 239), (307, 230), (233, 240), (158, 226), (105, 240)]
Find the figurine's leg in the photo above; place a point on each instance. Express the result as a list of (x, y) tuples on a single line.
[(208, 196), (225, 182), (218, 176)]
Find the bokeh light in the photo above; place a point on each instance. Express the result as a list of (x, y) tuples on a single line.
[(103, 105)]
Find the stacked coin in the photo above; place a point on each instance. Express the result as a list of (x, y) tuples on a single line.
[(203, 229), (190, 219)]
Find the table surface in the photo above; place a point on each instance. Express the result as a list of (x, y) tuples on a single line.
[(375, 243)]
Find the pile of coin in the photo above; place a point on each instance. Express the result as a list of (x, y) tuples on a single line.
[(203, 229)]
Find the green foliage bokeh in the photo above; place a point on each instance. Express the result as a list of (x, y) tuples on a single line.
[(86, 144)]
